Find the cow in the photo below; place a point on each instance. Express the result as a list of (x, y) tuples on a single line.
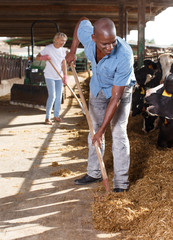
[(149, 76), (137, 100), (166, 62), (160, 99), (154, 80), (139, 93), (168, 84), (149, 122), (148, 68)]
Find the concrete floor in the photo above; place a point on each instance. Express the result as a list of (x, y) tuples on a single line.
[(35, 203)]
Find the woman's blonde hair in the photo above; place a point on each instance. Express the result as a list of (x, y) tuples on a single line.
[(58, 36)]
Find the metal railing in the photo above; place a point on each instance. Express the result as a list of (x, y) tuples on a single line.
[(81, 64), (12, 66)]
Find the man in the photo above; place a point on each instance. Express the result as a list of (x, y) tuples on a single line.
[(110, 95)]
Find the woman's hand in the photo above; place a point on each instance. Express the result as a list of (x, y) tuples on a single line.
[(65, 79), (44, 57)]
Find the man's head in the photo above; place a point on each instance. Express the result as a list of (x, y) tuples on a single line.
[(104, 35)]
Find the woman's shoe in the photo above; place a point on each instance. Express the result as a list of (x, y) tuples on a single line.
[(48, 122), (58, 119)]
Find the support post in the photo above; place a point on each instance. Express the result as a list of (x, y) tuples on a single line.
[(121, 20), (126, 24), (28, 50), (141, 31), (10, 49)]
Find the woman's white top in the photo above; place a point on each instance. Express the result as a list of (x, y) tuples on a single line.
[(57, 56)]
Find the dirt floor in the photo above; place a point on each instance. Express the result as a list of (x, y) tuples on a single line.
[(39, 164)]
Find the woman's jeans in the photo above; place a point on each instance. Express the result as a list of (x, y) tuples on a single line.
[(120, 141), (55, 88)]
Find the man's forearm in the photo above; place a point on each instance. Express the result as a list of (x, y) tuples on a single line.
[(76, 41), (111, 109)]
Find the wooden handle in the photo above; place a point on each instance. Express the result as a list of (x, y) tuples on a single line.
[(99, 156), (68, 87)]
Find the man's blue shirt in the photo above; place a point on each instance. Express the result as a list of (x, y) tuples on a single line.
[(113, 69)]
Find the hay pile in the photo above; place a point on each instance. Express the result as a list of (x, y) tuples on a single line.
[(62, 172), (145, 212)]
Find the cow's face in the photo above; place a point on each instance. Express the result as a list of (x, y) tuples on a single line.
[(138, 100), (150, 123), (168, 84)]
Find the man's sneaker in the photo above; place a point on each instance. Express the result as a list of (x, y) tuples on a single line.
[(86, 180), (119, 190)]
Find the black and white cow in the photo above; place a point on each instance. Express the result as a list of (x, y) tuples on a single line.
[(138, 100), (138, 104), (154, 80), (150, 76), (160, 100), (148, 68)]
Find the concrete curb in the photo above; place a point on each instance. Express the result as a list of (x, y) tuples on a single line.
[(5, 86)]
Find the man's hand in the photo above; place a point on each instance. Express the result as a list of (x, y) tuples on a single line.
[(44, 57), (117, 93), (98, 137), (70, 57)]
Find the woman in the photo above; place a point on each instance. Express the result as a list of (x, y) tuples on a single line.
[(56, 53)]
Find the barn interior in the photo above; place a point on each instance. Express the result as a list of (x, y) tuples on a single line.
[(17, 17), (40, 164)]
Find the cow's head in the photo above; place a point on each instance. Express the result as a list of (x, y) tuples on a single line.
[(138, 100), (168, 84)]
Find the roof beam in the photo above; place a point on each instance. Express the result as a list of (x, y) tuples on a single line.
[(78, 2)]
